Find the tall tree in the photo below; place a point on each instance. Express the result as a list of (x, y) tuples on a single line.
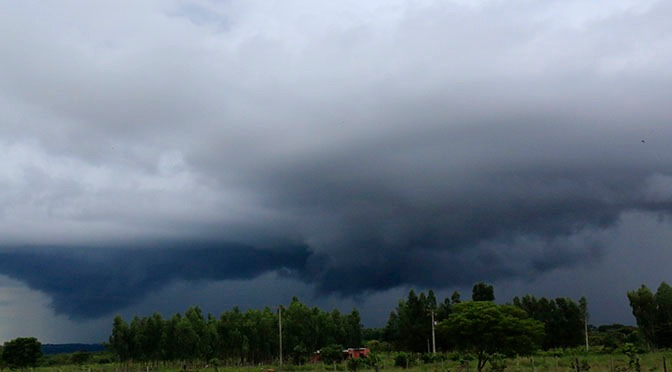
[(483, 292), (455, 297), (643, 304), (409, 327), (583, 305), (120, 340), (562, 318), (663, 322), (353, 326), (485, 328)]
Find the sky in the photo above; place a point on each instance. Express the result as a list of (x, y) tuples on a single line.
[(161, 154)]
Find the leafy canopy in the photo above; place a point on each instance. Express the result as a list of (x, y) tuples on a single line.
[(485, 328), (22, 352)]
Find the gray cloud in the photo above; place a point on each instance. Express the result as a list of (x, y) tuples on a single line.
[(398, 142)]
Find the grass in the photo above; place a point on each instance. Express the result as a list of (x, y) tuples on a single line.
[(545, 362)]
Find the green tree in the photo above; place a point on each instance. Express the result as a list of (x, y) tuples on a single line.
[(643, 304), (186, 340), (22, 352), (353, 329), (563, 320), (153, 337), (583, 305), (409, 327), (297, 331), (120, 340), (485, 328), (331, 354), (663, 321), (483, 292)]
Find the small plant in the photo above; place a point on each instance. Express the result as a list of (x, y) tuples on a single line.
[(498, 363), (403, 360), (372, 360), (631, 351), (580, 365), (355, 364), (429, 358)]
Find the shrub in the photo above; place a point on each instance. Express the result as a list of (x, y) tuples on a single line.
[(498, 363), (404, 360), (331, 354), (355, 364)]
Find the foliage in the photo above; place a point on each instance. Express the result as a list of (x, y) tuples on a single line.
[(22, 352), (372, 360), (482, 292), (613, 337), (632, 352), (236, 337), (80, 357), (331, 353), (580, 365), (429, 358), (404, 360), (355, 364), (485, 328), (409, 327), (378, 346), (498, 363), (653, 314), (563, 319)]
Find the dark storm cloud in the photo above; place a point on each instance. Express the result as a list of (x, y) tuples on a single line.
[(402, 143), (90, 283)]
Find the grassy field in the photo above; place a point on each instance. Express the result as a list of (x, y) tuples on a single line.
[(649, 362)]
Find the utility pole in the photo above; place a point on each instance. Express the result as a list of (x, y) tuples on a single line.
[(433, 335), (280, 332)]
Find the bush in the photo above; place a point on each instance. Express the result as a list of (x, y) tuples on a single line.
[(583, 364), (404, 360), (429, 358), (372, 360), (331, 354), (355, 364), (80, 357), (498, 363), (22, 352)]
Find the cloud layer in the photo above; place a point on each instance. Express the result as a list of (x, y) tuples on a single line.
[(378, 145)]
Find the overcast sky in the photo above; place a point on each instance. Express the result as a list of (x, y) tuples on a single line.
[(160, 154)]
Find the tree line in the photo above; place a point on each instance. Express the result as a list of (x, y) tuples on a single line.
[(419, 323), (409, 325), (236, 337)]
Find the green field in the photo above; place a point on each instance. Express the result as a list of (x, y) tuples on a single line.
[(542, 362)]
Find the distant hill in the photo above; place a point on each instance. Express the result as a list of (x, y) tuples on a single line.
[(50, 349)]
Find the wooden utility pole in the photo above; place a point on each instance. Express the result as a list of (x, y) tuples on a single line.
[(433, 335)]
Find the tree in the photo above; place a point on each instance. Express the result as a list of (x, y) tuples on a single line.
[(485, 328), (353, 329), (120, 340), (563, 320), (483, 292), (22, 352), (187, 341), (331, 354), (455, 297), (663, 321), (409, 327), (643, 305), (583, 305)]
